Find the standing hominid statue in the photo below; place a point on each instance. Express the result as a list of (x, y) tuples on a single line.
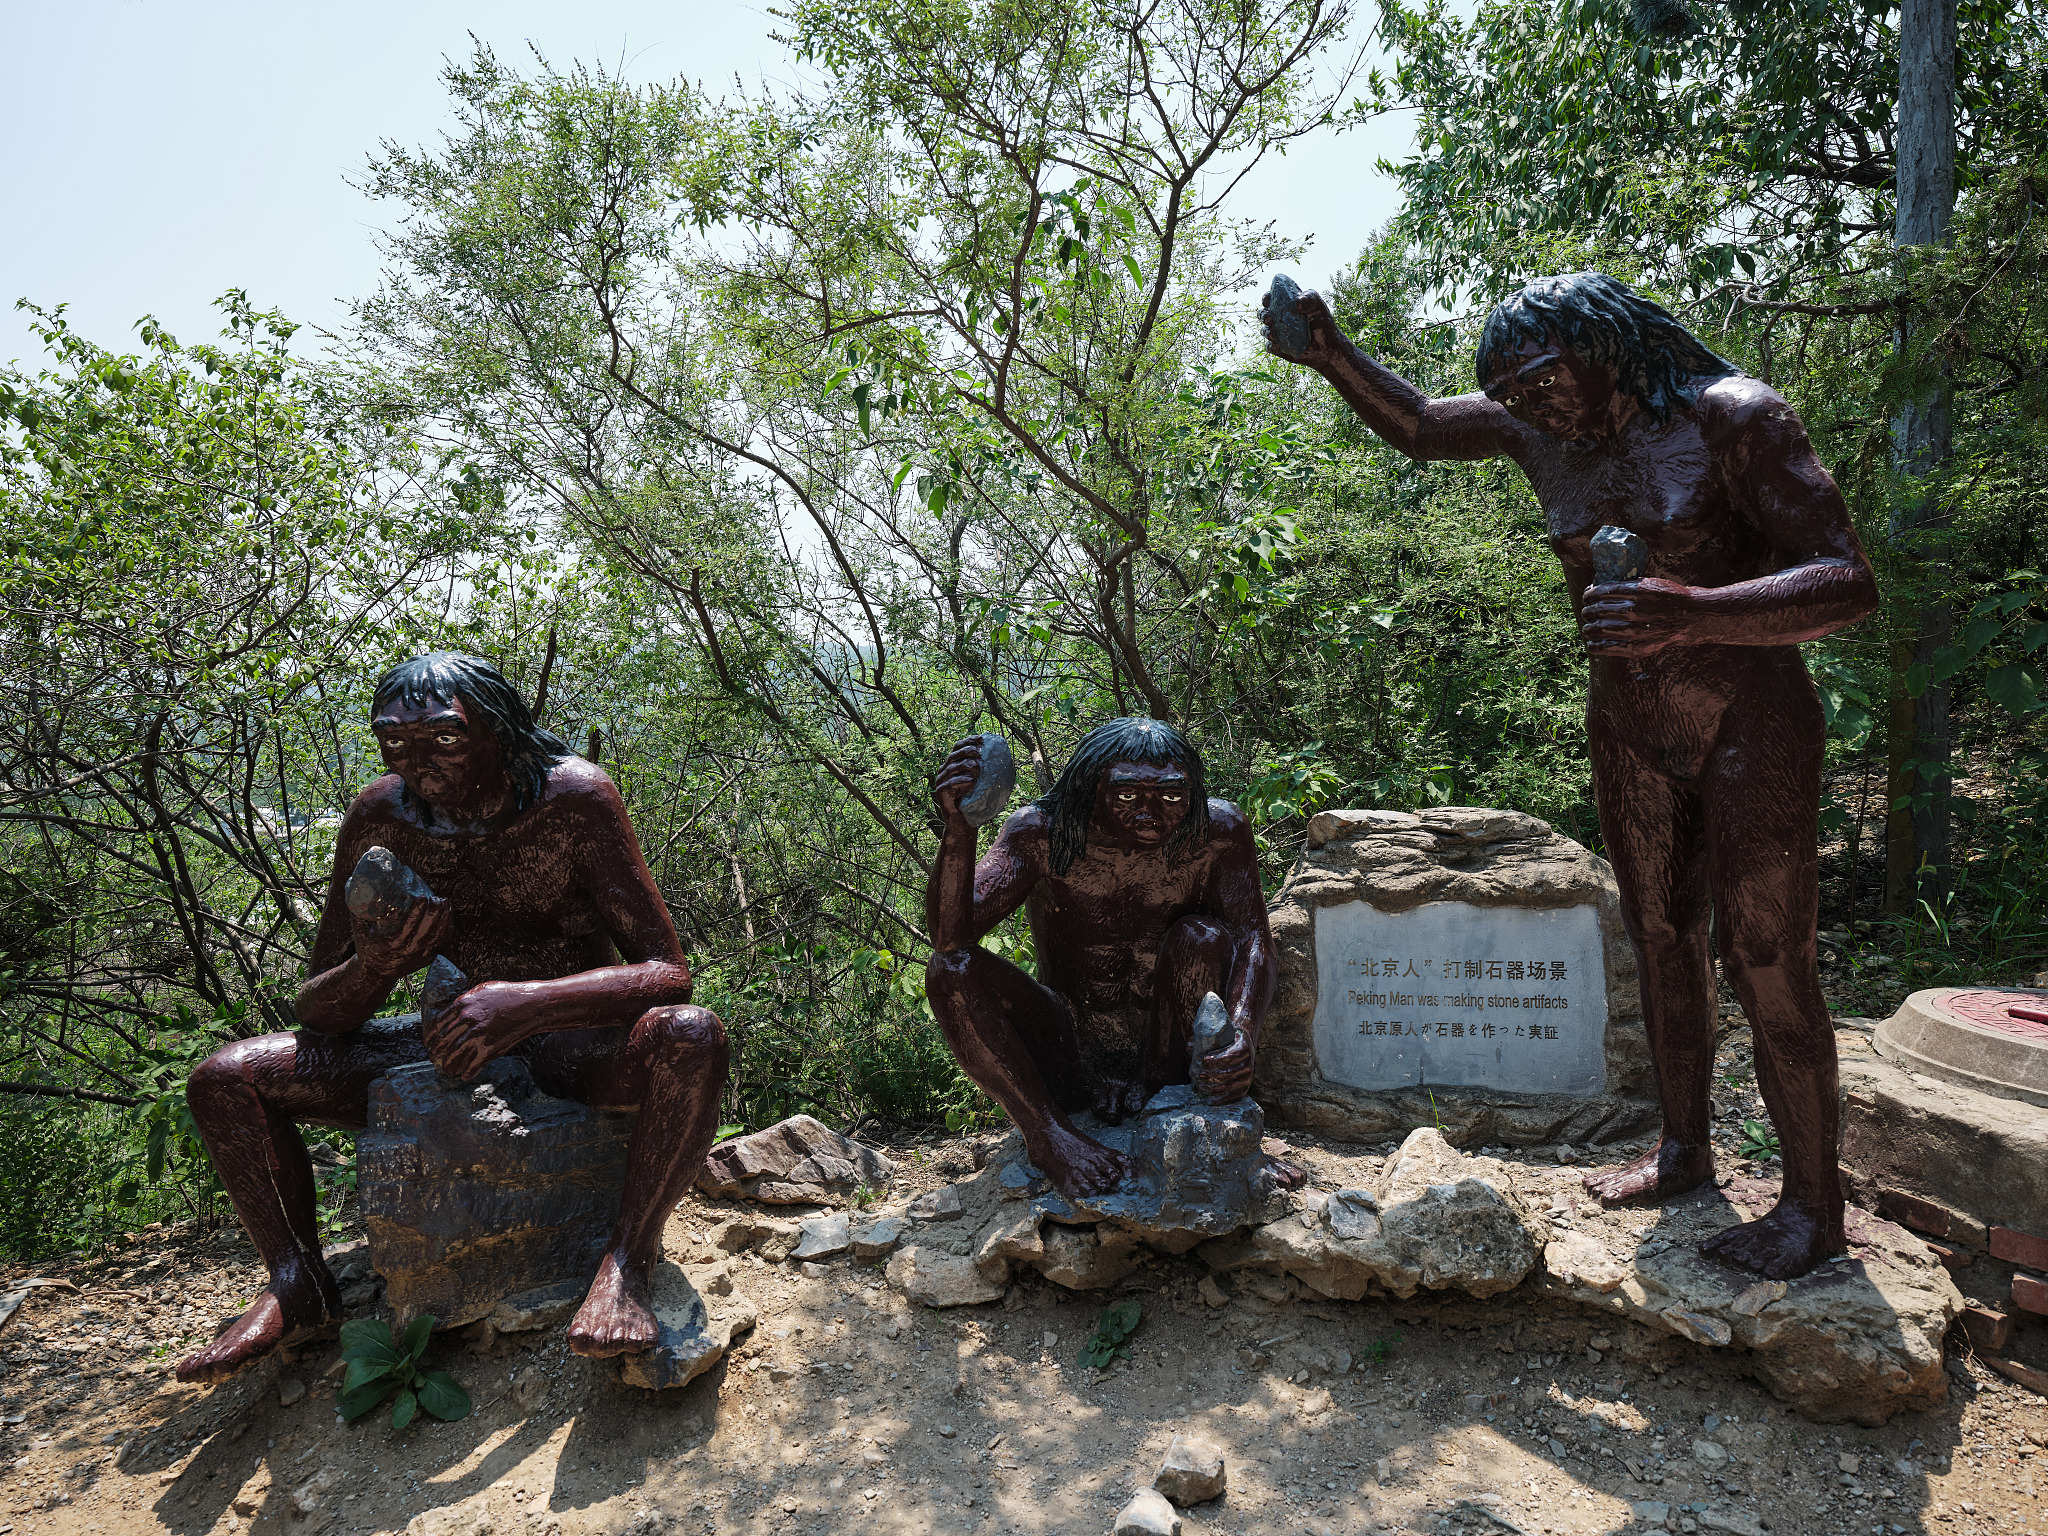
[(1704, 728), (545, 903), (1144, 895)]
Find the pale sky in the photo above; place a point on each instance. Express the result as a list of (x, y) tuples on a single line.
[(156, 154)]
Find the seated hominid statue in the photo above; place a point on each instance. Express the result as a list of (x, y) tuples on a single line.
[(1144, 896), (544, 902)]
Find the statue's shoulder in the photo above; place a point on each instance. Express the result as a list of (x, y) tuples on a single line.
[(577, 786), (1739, 403), (1228, 825), (379, 803), (1026, 825)]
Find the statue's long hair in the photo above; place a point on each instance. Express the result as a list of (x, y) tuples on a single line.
[(449, 675), (1070, 804), (1654, 358)]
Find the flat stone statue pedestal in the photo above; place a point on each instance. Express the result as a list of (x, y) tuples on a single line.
[(487, 1200), (1198, 1172)]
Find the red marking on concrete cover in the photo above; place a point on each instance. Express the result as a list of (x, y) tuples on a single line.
[(1991, 1010)]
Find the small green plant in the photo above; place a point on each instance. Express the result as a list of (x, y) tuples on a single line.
[(1381, 1347), (1108, 1342), (726, 1133), (866, 1196), (1759, 1141), (377, 1367)]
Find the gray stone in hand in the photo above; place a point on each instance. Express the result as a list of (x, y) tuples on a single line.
[(382, 891), (1284, 323), (445, 983), (994, 785), (1212, 1031), (1618, 555)]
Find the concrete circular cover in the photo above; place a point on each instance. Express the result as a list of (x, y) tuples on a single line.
[(1992, 1039)]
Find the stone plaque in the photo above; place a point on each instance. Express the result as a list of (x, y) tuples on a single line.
[(1449, 994), (1512, 1015)]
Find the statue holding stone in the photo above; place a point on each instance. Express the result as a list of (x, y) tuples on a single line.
[(1701, 541), (1144, 897), (493, 858)]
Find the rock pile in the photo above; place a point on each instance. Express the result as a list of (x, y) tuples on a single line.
[(797, 1161), (1437, 1220)]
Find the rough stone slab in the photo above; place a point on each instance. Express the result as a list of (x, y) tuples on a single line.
[(798, 1161), (879, 1238), (936, 1205), (1436, 1220), (824, 1236), (1192, 1472), (1397, 863), (936, 1279), (1904, 1134), (695, 1334), (475, 1192), (548, 1306), (1148, 1514), (1857, 1340)]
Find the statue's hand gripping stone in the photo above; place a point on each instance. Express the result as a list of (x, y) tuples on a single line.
[(507, 860), (1703, 727), (1144, 897)]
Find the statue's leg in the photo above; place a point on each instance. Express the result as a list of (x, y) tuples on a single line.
[(1762, 805), (249, 1099), (1195, 959), (1016, 1038), (1655, 835), (669, 1065)]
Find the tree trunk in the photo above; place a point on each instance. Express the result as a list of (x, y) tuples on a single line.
[(1917, 865)]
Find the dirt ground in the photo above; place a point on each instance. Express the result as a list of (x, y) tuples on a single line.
[(846, 1410)]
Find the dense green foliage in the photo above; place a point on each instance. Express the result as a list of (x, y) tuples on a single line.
[(793, 436)]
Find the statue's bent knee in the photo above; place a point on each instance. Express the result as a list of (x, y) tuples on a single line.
[(227, 1075), (687, 1029)]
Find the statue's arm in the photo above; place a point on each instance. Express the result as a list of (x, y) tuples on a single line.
[(1773, 477), (1419, 425), (348, 976), (964, 899), (1238, 901), (600, 852)]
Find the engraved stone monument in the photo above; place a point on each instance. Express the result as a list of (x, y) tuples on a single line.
[(1458, 967)]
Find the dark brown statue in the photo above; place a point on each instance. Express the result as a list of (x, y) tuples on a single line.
[(1705, 732), (543, 900), (1144, 895)]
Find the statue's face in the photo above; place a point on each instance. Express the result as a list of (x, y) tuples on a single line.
[(442, 758), (1553, 389), (1142, 804)]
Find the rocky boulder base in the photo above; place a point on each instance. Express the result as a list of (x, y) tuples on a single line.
[(487, 1194), (1858, 1339), (797, 1161)]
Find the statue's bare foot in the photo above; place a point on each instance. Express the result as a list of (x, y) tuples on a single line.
[(1078, 1166), (297, 1303), (1667, 1169), (1782, 1244), (617, 1317), (1285, 1174)]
